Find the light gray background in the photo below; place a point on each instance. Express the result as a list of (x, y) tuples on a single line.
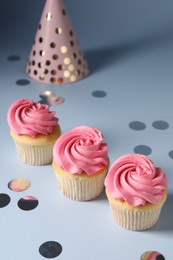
[(128, 45)]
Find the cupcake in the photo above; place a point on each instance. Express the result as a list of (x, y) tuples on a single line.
[(80, 162), (34, 130), (136, 191)]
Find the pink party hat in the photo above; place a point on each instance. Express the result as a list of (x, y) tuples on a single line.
[(56, 56)]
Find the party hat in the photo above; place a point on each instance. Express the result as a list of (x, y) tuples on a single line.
[(56, 56)]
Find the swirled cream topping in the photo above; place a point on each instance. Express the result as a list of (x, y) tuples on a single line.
[(31, 118), (134, 178), (81, 150)]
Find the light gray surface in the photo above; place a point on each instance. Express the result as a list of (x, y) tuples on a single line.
[(128, 45)]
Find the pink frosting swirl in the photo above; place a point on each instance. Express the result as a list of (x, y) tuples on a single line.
[(31, 118), (81, 149), (135, 179)]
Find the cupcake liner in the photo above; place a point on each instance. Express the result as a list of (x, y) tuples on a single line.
[(135, 218), (35, 155), (38, 150), (81, 189)]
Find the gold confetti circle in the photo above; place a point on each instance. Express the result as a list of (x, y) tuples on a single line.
[(34, 53), (46, 93), (149, 255), (63, 49), (33, 62), (19, 184), (67, 61), (35, 72)]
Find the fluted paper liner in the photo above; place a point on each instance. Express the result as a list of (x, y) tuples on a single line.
[(80, 187), (56, 56), (35, 155), (36, 151), (135, 218)]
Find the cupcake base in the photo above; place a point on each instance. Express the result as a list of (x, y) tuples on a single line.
[(80, 187), (135, 218), (37, 150)]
